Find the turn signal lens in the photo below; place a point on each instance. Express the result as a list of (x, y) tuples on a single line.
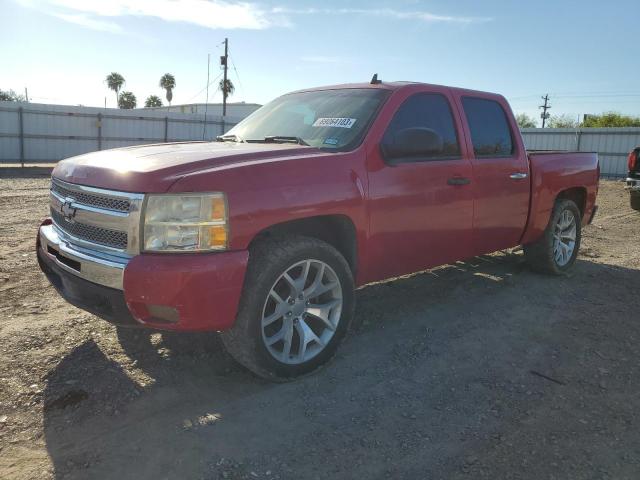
[(217, 237)]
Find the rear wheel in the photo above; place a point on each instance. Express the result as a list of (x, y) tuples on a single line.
[(634, 199), (556, 251), (296, 307)]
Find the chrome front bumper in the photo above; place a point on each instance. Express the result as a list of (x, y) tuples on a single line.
[(633, 184), (94, 267)]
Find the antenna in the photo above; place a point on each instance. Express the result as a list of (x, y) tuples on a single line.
[(374, 79)]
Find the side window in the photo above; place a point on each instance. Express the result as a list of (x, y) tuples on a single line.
[(423, 114), (490, 132)]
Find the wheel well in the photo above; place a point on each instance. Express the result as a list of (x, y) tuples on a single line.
[(337, 230), (578, 195)]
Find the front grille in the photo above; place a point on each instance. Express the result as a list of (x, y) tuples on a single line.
[(89, 233), (93, 199)]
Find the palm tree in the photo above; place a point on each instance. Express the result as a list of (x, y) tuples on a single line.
[(229, 88), (127, 100), (168, 82), (153, 101), (114, 82)]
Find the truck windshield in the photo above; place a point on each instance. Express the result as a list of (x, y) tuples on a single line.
[(330, 119)]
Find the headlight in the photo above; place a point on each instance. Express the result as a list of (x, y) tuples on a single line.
[(188, 222)]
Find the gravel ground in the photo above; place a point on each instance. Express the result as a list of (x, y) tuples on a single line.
[(480, 369)]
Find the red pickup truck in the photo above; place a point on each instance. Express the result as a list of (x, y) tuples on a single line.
[(265, 234)]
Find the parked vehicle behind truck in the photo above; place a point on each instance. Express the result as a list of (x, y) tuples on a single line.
[(633, 178), (265, 234)]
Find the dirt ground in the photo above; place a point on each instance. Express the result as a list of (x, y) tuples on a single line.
[(476, 370)]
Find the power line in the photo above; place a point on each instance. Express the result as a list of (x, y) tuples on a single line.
[(208, 85), (233, 64)]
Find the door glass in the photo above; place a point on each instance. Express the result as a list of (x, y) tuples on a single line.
[(490, 132), (431, 111)]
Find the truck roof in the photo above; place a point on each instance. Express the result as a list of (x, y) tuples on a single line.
[(397, 85)]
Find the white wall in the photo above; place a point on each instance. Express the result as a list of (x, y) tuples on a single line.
[(47, 133), (233, 109), (612, 144)]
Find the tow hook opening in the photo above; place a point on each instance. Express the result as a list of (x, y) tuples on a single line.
[(75, 265)]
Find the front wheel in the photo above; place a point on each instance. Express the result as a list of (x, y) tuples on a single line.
[(556, 251), (296, 307), (634, 200)]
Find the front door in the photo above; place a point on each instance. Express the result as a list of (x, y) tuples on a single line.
[(421, 205)]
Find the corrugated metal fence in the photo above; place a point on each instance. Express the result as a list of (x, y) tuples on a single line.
[(37, 133), (612, 144), (34, 133)]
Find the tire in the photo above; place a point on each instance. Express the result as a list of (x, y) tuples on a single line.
[(634, 200), (268, 295), (541, 255)]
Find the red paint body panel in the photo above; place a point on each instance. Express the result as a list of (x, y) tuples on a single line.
[(552, 173), (416, 220), (205, 288), (501, 204), (406, 217)]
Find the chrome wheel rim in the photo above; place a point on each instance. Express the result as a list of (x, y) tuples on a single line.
[(564, 238), (301, 312)]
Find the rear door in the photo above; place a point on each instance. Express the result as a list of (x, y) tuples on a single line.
[(420, 207), (500, 173)]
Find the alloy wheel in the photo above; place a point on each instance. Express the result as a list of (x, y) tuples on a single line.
[(301, 312)]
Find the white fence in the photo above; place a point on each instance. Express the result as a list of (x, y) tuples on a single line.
[(37, 133), (612, 144)]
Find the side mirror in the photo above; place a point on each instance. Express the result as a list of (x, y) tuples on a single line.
[(412, 143)]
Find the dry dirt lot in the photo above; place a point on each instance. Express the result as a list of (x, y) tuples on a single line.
[(475, 370)]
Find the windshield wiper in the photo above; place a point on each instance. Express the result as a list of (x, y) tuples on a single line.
[(229, 138), (282, 139)]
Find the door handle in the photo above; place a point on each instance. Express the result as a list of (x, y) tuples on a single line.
[(518, 176), (458, 181)]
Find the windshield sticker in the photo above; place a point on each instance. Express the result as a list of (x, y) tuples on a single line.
[(335, 122), (330, 141)]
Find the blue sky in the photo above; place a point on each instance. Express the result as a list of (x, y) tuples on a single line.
[(583, 53)]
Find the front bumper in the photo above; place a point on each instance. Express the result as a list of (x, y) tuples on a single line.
[(633, 184), (187, 292)]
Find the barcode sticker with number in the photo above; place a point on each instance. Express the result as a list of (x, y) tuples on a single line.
[(335, 122)]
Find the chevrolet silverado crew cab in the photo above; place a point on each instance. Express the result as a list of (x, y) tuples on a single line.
[(265, 233), (633, 178)]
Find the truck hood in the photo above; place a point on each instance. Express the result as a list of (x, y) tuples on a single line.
[(154, 168)]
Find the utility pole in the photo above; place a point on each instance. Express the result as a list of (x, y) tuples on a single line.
[(26, 95), (206, 104), (223, 62), (544, 115)]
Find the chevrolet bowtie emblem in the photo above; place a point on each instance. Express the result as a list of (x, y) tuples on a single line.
[(68, 210)]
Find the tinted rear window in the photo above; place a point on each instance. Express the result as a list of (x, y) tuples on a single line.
[(490, 132)]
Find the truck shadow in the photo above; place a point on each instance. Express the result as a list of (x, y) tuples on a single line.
[(434, 353)]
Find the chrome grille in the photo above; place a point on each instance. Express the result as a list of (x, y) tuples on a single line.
[(89, 233), (92, 199), (95, 219)]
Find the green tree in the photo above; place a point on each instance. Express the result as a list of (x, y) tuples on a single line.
[(168, 82), (610, 119), (153, 101), (115, 81), (525, 121), (562, 121), (11, 96), (127, 100), (229, 87)]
